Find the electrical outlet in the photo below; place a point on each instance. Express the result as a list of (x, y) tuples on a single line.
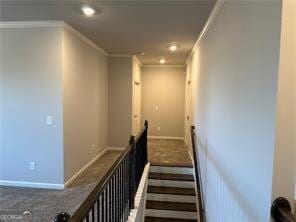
[(32, 166), (158, 128), (156, 107), (93, 146)]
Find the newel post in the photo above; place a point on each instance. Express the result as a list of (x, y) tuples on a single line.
[(131, 140), (281, 210), (62, 217), (146, 141)]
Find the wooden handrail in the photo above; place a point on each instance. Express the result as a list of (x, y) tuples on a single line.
[(198, 178), (281, 210)]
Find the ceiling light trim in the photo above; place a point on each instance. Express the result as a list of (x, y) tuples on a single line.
[(173, 46), (163, 61), (88, 10), (215, 11), (163, 66)]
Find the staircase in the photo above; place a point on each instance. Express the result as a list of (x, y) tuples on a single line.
[(171, 195)]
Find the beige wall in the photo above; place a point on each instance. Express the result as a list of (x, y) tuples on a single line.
[(31, 89), (234, 73), (163, 94), (284, 162), (85, 103), (120, 101)]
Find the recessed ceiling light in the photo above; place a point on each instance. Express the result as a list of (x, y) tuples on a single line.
[(162, 61), (142, 53), (173, 47), (88, 11)]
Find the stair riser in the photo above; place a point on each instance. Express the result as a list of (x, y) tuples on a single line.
[(174, 170), (171, 183), (171, 214), (171, 198)]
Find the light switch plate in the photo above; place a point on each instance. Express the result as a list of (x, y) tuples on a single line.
[(49, 120)]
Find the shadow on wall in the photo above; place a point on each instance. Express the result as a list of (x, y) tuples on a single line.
[(223, 201)]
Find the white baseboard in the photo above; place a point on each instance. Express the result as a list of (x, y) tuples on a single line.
[(166, 137), (115, 148), (58, 186), (31, 184)]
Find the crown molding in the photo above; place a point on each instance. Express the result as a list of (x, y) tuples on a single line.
[(163, 66), (137, 60), (52, 24), (31, 24), (69, 28), (120, 55), (216, 9)]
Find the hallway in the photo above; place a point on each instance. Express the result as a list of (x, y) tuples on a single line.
[(175, 110), (168, 152)]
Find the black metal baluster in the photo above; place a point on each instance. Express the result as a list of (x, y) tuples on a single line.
[(129, 180), (132, 172), (127, 190), (109, 202), (87, 217), (98, 210), (106, 206), (125, 187), (116, 196), (121, 190), (112, 201), (145, 142), (93, 213), (119, 194), (102, 206)]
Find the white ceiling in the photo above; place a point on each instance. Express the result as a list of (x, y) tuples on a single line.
[(124, 27)]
